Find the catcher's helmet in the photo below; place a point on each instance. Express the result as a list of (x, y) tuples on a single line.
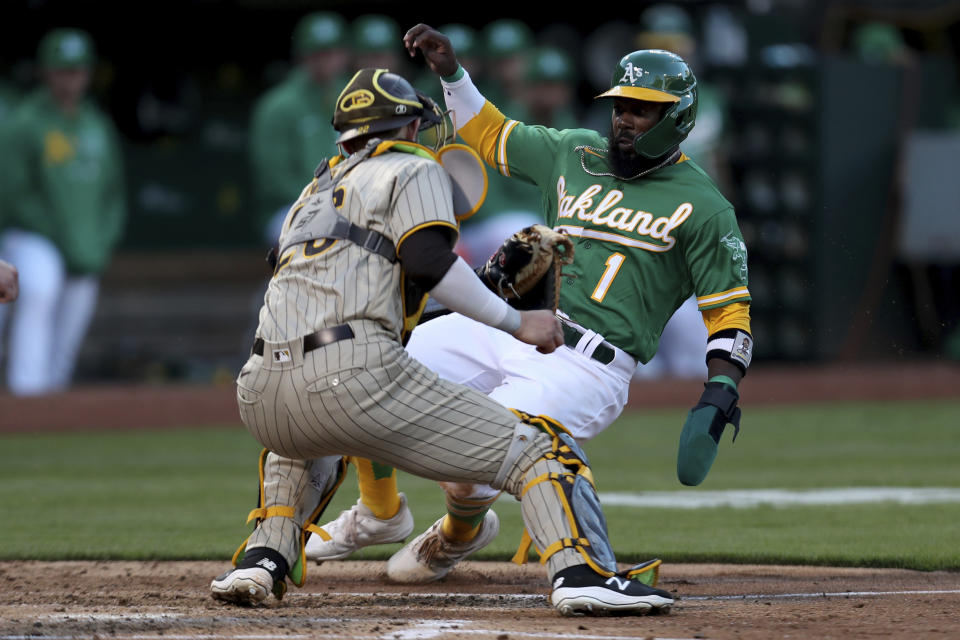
[(658, 76), (376, 100)]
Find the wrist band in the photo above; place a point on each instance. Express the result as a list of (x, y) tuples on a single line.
[(733, 345), (727, 380), (456, 75)]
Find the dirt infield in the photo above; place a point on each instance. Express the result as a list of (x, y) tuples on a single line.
[(480, 601)]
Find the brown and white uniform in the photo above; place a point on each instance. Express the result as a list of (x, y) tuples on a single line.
[(365, 396)]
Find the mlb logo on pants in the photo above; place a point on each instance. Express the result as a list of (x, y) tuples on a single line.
[(281, 355)]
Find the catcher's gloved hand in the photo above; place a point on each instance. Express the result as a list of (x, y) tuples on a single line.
[(702, 430), (525, 270)]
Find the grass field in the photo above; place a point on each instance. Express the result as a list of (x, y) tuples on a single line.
[(184, 494)]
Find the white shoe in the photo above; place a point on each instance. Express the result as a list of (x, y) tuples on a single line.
[(356, 528), (243, 586), (430, 556)]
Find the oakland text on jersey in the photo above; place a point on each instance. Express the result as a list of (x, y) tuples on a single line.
[(607, 214)]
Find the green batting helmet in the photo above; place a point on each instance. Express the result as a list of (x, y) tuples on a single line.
[(655, 75)]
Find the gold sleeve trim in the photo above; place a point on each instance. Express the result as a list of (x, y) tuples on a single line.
[(482, 130), (735, 315), (502, 164), (722, 297)]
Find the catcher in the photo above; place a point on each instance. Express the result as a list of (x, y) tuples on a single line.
[(328, 376), (650, 228)]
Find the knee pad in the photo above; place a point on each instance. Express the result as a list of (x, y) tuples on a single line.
[(326, 476)]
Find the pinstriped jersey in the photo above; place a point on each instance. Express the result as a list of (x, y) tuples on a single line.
[(642, 246), (326, 282)]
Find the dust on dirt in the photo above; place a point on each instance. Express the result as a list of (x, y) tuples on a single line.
[(479, 600)]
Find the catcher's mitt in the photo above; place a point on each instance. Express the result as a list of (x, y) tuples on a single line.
[(525, 270)]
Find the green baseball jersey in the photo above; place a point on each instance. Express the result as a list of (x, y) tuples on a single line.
[(643, 246), (290, 133), (505, 195), (64, 179)]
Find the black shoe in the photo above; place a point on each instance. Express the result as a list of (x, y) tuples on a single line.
[(581, 591)]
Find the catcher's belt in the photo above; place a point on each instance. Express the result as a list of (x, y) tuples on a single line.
[(315, 340), (572, 335)]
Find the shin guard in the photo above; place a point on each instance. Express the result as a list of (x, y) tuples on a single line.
[(552, 478), (319, 485)]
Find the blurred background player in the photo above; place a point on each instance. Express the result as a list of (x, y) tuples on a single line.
[(64, 213), (548, 93), (506, 44), (374, 39), (290, 130), (9, 96)]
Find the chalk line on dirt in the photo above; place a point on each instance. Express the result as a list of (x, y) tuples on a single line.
[(835, 594), (505, 598)]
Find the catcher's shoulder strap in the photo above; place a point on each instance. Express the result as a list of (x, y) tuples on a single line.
[(318, 217)]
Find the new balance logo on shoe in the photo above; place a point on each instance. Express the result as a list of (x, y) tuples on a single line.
[(621, 583), (578, 590), (267, 564)]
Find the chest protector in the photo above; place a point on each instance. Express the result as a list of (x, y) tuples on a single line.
[(317, 218)]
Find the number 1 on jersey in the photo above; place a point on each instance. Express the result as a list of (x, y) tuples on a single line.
[(614, 262)]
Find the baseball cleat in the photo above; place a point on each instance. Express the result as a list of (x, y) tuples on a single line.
[(579, 590), (356, 528), (430, 556), (242, 586)]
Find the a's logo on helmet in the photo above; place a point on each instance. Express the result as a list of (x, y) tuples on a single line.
[(631, 74), (356, 100)]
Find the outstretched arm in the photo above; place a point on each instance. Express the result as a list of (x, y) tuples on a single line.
[(436, 48), (477, 121)]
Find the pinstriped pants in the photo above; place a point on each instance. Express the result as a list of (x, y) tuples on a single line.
[(371, 399), (367, 397)]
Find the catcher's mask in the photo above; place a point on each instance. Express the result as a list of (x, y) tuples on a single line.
[(377, 100), (655, 75)]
